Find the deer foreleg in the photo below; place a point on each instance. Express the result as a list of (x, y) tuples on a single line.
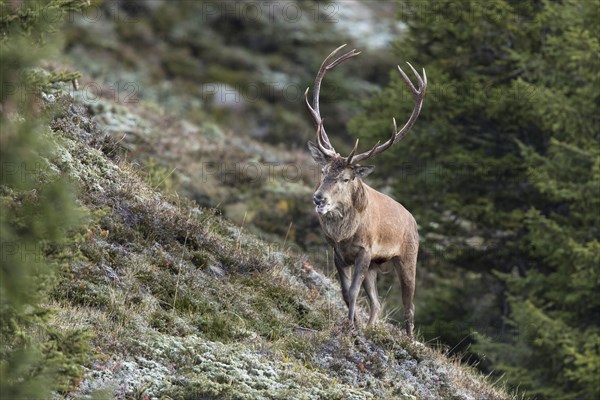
[(361, 265), (370, 285), (343, 271)]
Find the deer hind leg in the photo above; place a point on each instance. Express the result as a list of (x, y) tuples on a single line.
[(370, 286), (406, 270)]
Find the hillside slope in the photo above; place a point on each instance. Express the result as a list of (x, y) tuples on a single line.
[(183, 304)]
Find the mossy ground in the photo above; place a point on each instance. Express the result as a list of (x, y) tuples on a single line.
[(181, 303), (178, 301)]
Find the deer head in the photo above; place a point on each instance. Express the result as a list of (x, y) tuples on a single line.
[(340, 185)]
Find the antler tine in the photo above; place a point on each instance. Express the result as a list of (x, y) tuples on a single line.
[(313, 113), (342, 58), (397, 135), (375, 148), (349, 158), (320, 142), (408, 81), (395, 130), (370, 153), (314, 109)]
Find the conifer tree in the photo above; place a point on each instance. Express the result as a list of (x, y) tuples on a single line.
[(555, 307), (37, 207), (501, 172)]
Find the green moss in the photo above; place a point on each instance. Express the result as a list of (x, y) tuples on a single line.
[(272, 295), (201, 387), (217, 327), (158, 176), (201, 258), (83, 293), (304, 345), (393, 340), (163, 321)]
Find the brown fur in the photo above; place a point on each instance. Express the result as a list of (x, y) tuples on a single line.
[(367, 229)]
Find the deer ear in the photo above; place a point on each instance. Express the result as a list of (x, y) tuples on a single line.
[(317, 154), (362, 171)]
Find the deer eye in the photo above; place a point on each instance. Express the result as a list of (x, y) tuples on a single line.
[(346, 180)]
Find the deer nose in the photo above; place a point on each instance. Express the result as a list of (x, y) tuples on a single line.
[(318, 198)]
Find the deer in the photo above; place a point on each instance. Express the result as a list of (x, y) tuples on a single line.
[(366, 228)]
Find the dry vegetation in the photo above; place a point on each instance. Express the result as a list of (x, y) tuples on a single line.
[(181, 303)]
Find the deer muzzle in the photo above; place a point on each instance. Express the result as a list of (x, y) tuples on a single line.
[(322, 203)]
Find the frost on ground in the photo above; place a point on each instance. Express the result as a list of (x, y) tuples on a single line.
[(183, 304)]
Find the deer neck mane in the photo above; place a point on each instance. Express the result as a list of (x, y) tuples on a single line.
[(342, 223)]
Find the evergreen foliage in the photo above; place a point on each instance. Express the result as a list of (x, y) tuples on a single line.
[(555, 307), (37, 209), (501, 171)]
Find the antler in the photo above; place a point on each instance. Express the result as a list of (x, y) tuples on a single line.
[(397, 135), (322, 138)]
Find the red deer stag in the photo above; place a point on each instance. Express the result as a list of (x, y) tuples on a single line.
[(365, 227)]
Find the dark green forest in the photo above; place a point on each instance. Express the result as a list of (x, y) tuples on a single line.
[(501, 171)]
